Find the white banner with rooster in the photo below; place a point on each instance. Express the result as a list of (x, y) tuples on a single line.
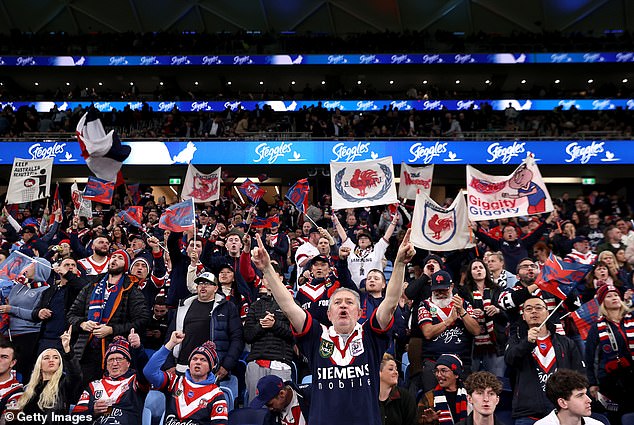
[(202, 187), (436, 228), (363, 183)]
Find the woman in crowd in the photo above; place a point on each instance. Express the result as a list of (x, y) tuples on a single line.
[(397, 404), (597, 277), (541, 251), (482, 293), (610, 349), (119, 238), (609, 259), (53, 386)]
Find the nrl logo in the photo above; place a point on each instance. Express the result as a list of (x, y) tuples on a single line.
[(326, 348)]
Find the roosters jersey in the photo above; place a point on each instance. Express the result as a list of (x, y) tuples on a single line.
[(126, 395), (345, 373), (314, 298), (189, 403), (90, 267), (10, 391)]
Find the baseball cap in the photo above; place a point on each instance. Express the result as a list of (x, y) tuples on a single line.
[(440, 280), (206, 278), (317, 258), (268, 387), (579, 238), (314, 230)]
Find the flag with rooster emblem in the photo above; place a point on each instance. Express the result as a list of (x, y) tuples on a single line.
[(436, 228), (363, 183), (415, 180), (202, 187)]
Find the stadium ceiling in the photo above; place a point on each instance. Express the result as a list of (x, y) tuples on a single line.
[(321, 16)]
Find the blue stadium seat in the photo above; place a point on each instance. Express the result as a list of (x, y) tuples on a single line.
[(603, 419), (308, 379), (229, 397), (147, 417), (155, 403), (627, 419), (247, 416)]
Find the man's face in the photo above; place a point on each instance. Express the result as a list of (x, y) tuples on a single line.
[(445, 376), (579, 404), (152, 217), (364, 242), (277, 403), (534, 312), (320, 269), (615, 235), (226, 276), (159, 310), (206, 291), (199, 367), (593, 220), (117, 365), (343, 311), (26, 236), (68, 265), (137, 244), (494, 263), (233, 244), (527, 272), (583, 247), (29, 271), (140, 270), (101, 246), (323, 246), (306, 227), (194, 246), (7, 360), (221, 228), (484, 401), (116, 265), (510, 234), (351, 220), (374, 283), (432, 266)]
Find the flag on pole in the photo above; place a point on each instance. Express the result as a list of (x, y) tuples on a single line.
[(436, 228), (415, 180), (30, 180), (133, 216), (178, 217), (252, 191), (265, 222), (560, 277), (585, 316), (201, 187), (298, 195), (522, 193), (99, 190), (134, 190), (83, 207), (104, 153), (363, 183), (57, 205)]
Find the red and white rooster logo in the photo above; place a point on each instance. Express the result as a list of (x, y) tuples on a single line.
[(361, 180), (439, 225)]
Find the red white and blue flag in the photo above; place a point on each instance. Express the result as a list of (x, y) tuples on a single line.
[(251, 191), (103, 152), (559, 277), (178, 217), (265, 222), (298, 195), (57, 205), (134, 190), (133, 216), (99, 190), (585, 316)]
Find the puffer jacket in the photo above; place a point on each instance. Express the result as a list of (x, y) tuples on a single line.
[(275, 343)]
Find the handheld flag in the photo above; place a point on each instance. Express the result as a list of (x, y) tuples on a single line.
[(99, 190), (559, 277), (83, 207), (201, 187), (104, 153), (178, 217), (298, 195), (57, 205), (133, 216), (415, 180), (363, 183), (251, 191), (134, 190), (265, 223), (585, 316), (10, 269)]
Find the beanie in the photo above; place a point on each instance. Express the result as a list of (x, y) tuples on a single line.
[(119, 345), (603, 292), (452, 361), (126, 258), (208, 349)]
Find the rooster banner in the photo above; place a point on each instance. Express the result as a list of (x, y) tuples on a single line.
[(83, 207), (202, 187), (435, 228), (522, 193), (363, 183), (30, 180), (415, 180)]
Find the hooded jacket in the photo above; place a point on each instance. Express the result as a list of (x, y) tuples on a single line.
[(24, 297)]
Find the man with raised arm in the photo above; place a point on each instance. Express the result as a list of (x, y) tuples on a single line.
[(345, 357)]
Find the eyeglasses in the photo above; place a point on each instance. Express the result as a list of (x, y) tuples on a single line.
[(441, 371), (115, 359), (528, 266), (537, 308)]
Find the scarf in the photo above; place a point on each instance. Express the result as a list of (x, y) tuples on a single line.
[(611, 351), (441, 405), (103, 304), (482, 300)]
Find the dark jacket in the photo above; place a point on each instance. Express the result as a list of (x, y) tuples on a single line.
[(275, 343), (69, 390), (225, 330), (131, 313), (303, 397), (529, 396), (178, 276), (469, 420), (399, 408)]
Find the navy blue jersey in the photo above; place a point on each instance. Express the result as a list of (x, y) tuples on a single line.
[(345, 386)]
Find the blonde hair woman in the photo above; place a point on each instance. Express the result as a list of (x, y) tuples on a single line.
[(52, 388)]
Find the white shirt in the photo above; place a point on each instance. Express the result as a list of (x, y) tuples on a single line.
[(306, 250), (552, 419), (361, 261)]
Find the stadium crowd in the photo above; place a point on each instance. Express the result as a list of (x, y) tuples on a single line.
[(119, 307)]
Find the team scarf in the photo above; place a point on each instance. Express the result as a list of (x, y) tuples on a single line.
[(101, 310), (625, 328), (441, 406), (487, 331)]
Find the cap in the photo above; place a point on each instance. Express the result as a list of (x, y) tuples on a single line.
[(452, 361), (603, 292), (204, 213), (268, 387), (206, 278), (440, 280), (318, 258), (135, 236), (226, 266), (433, 257), (236, 231), (580, 238), (29, 229)]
